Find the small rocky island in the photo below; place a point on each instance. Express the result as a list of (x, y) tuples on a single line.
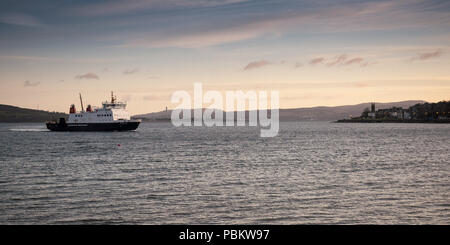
[(419, 113)]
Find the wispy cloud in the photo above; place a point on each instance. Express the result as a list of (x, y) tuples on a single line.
[(316, 61), (118, 7), (88, 75), (54, 59), (357, 60), (428, 55), (318, 17), (28, 58), (256, 64), (200, 23), (21, 20), (130, 71), (31, 84), (195, 38), (340, 60)]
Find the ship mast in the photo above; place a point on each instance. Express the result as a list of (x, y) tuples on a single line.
[(81, 100), (113, 100)]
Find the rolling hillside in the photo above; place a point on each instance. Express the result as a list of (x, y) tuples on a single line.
[(319, 113), (16, 114)]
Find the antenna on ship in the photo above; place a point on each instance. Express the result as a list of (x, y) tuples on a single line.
[(81, 100)]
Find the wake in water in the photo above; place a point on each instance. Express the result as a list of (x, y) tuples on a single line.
[(29, 129)]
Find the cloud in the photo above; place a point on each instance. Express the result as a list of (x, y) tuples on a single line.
[(357, 60), (338, 60), (200, 23), (341, 60), (196, 38), (256, 64), (29, 58), (31, 84), (21, 20), (341, 17), (117, 7), (54, 59), (316, 61), (88, 75), (130, 71), (427, 56)]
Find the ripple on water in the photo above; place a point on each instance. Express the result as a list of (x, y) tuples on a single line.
[(312, 173)]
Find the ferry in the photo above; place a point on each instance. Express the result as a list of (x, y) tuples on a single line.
[(112, 116)]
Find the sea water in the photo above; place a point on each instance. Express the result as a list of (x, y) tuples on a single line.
[(311, 173)]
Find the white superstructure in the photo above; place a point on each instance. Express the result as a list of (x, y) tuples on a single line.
[(112, 111)]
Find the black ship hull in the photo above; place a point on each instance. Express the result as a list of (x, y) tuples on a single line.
[(112, 126)]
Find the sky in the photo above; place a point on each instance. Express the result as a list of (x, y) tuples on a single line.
[(315, 53)]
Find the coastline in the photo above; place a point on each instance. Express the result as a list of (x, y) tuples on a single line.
[(359, 120)]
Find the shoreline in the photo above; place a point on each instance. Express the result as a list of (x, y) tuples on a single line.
[(439, 121)]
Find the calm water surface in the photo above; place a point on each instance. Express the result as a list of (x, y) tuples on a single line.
[(313, 172)]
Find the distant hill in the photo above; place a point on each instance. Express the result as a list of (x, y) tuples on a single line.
[(319, 113), (16, 114), (331, 113)]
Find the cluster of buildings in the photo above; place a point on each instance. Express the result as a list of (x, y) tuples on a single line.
[(426, 111)]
